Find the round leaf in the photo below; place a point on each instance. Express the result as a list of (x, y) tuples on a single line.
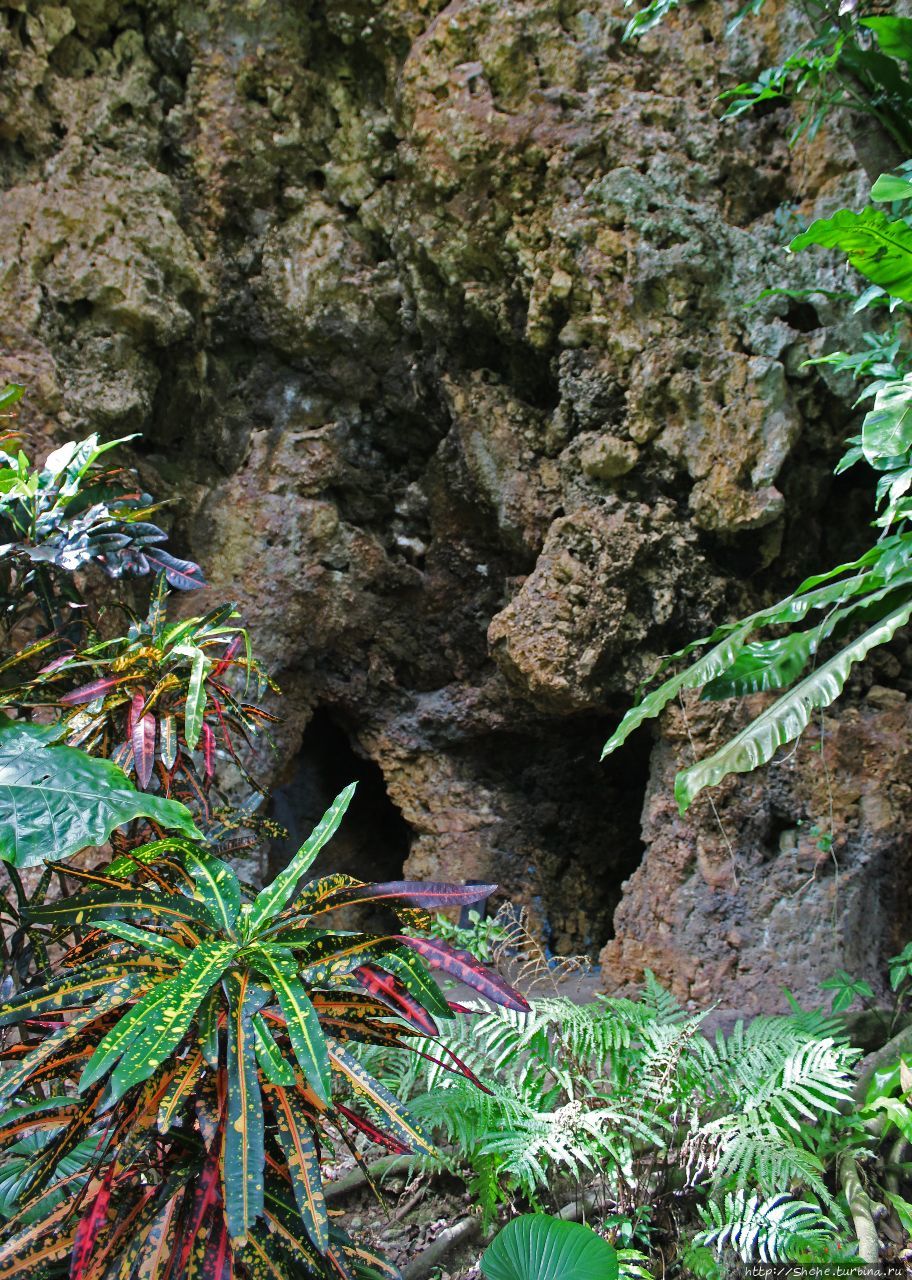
[(539, 1247)]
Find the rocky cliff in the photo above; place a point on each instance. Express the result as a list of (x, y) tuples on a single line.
[(435, 316)]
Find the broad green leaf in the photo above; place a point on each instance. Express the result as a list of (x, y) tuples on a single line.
[(242, 1166), (402, 1125), (768, 664), (110, 904), (886, 433), (170, 1022), (293, 1127), (196, 698), (897, 1112), (887, 188), (894, 36), (274, 1065), (789, 716), (903, 1210), (217, 883), (880, 249), (539, 1247), (271, 900), (145, 939), (11, 394), (57, 800), (304, 1030)]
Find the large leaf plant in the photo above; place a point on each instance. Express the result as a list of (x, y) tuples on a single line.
[(805, 646), (61, 517), (176, 1074), (159, 699)]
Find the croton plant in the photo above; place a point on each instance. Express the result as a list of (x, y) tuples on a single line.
[(175, 1081)]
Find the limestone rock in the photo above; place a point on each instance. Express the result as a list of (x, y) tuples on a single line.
[(434, 315)]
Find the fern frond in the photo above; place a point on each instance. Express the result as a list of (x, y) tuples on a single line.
[(775, 1230), (748, 1155)]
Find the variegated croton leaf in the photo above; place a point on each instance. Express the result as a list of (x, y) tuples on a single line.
[(197, 1039)]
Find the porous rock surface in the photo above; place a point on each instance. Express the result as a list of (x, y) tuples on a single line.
[(434, 316)]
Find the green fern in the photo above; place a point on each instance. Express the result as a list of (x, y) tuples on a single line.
[(777, 1230), (633, 1093)]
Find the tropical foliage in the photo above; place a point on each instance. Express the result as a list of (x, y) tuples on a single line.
[(58, 800), (150, 699), (631, 1099), (182, 1039), (805, 646), (187, 1048), (852, 57), (71, 512), (538, 1247)]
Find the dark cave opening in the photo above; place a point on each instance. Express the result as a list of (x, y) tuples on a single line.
[(572, 834), (373, 841)]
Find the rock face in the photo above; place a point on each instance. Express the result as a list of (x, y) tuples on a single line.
[(434, 315)]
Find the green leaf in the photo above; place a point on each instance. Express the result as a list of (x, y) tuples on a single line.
[(713, 664), (894, 36), (217, 883), (196, 697), (163, 1031), (242, 1167), (886, 433), (61, 800), (11, 394), (903, 1210), (301, 1019), (768, 664), (65, 992), (273, 1064), (888, 188), (208, 1020), (271, 900), (183, 1083), (144, 939), (789, 716), (293, 1127), (880, 249), (539, 1247), (404, 1127), (117, 994), (110, 904)]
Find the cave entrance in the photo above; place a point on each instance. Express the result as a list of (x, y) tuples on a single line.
[(373, 841), (571, 829)]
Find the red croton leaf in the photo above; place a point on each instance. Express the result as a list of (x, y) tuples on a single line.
[(413, 893), (227, 657), (466, 969), (391, 991), (376, 1135), (89, 692), (205, 1197), (142, 736), (90, 1226)]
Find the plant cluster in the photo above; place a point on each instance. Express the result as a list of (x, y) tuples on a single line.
[(663, 1125), (183, 1040)]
